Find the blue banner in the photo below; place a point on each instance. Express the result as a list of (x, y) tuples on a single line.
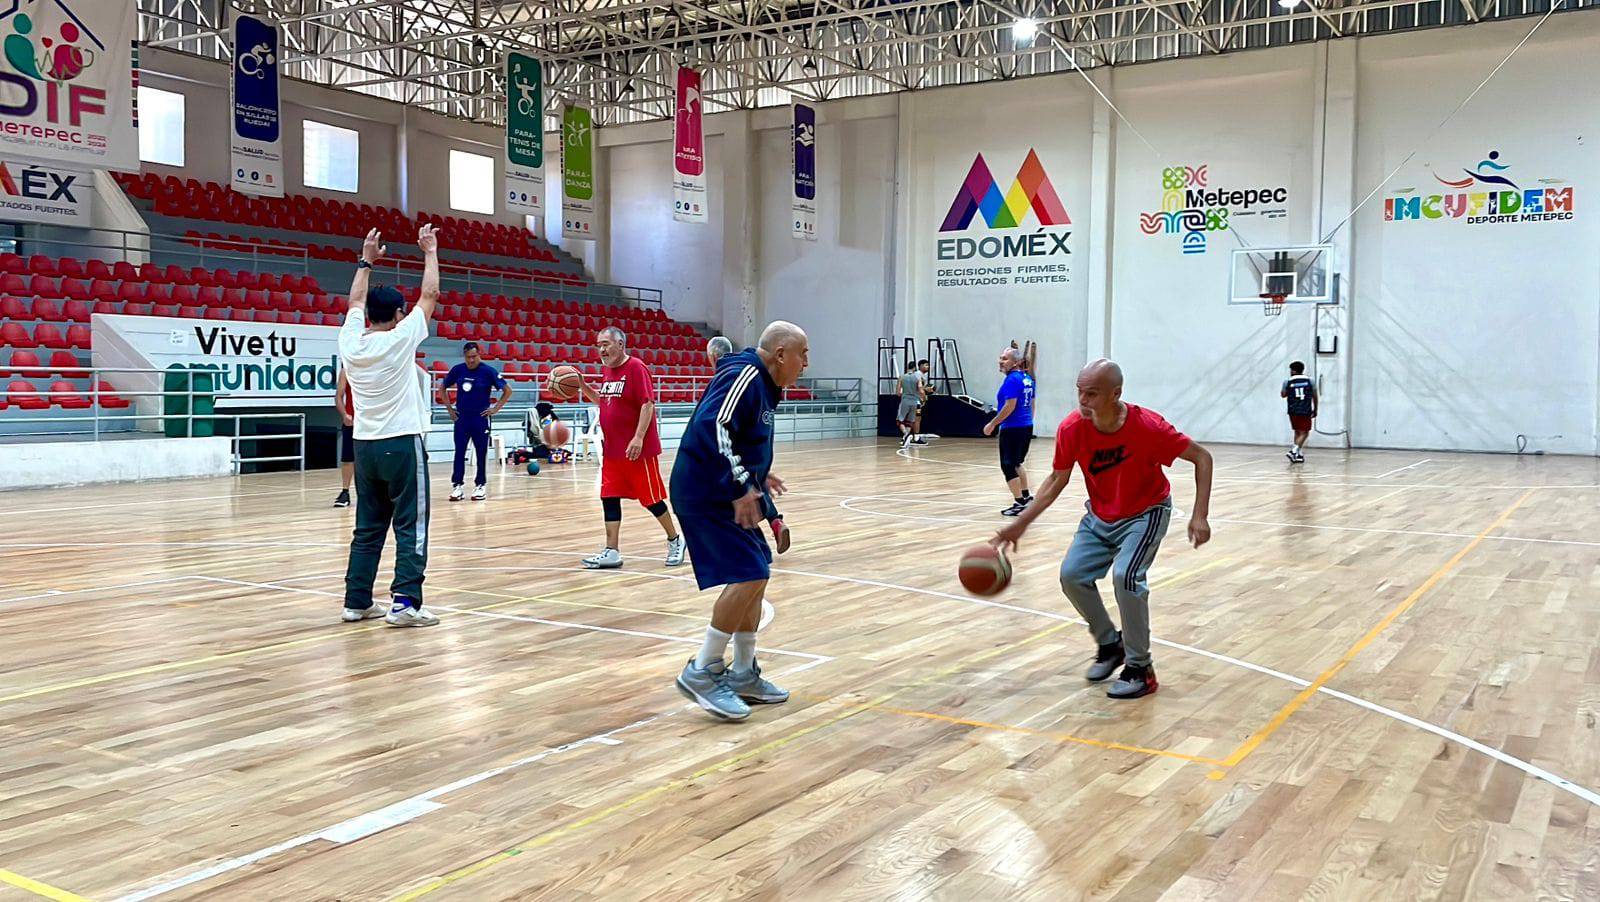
[(256, 146), (803, 206)]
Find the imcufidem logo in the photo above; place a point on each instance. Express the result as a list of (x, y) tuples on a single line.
[(1486, 194), (979, 200), (42, 67)]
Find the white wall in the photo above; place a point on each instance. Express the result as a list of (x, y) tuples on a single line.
[(1467, 334), (1212, 368), (683, 259), (72, 462)]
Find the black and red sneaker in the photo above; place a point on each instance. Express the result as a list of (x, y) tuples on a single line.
[(1136, 681)]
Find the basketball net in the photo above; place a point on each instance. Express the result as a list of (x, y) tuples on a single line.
[(1273, 304)]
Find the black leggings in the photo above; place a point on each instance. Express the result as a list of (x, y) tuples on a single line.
[(1014, 445), (613, 508)]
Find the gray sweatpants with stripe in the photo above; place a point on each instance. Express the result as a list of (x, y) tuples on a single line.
[(1127, 548), (391, 489)]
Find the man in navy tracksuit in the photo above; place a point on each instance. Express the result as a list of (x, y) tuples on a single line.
[(718, 483), (472, 410)]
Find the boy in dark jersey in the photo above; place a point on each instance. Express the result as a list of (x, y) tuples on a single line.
[(1301, 393), (1121, 449)]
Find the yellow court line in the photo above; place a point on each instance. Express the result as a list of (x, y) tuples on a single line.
[(37, 888), (550, 836), (1047, 734), (1294, 704)]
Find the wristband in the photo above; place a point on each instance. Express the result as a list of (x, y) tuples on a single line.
[(362, 264)]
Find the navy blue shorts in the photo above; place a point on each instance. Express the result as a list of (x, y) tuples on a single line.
[(721, 550)]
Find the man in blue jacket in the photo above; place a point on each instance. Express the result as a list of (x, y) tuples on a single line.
[(718, 481)]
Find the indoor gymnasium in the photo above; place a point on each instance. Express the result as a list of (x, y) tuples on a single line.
[(930, 449)]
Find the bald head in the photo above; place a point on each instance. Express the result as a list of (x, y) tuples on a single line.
[(1104, 371), (1100, 393), (785, 350)]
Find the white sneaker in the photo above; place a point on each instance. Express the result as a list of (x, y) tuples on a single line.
[(458, 492), (675, 551), (609, 559), (351, 615), (479, 493), (406, 612)]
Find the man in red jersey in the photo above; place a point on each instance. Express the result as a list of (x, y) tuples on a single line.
[(1121, 449), (630, 447)]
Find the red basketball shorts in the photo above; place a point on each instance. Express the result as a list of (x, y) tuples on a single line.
[(637, 479)]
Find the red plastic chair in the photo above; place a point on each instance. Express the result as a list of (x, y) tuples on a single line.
[(22, 359), (108, 397), (65, 395), (24, 395), (13, 308), (67, 364), (79, 337)]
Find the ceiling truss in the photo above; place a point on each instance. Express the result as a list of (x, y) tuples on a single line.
[(621, 56)]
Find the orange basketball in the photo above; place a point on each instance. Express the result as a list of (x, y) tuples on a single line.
[(564, 382), (984, 570), (556, 435)]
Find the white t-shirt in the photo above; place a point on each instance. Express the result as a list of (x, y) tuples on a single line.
[(390, 390)]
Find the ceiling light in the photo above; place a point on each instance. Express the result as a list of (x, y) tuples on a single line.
[(1288, 4), (1023, 30)]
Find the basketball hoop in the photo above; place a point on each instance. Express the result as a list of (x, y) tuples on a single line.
[(1272, 304)]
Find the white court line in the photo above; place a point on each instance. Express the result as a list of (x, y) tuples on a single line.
[(151, 501), (1388, 473), (1526, 767), (55, 592), (563, 624), (415, 802)]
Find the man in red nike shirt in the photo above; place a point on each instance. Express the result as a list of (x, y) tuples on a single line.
[(1121, 449)]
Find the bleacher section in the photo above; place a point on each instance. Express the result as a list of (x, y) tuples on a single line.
[(46, 304)]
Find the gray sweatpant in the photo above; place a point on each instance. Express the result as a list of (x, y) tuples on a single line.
[(391, 490), (1127, 548)]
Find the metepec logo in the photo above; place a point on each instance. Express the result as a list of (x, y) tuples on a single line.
[(1191, 207), (979, 202), (42, 68), (1487, 194)]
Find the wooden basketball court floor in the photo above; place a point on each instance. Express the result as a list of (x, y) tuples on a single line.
[(1379, 681)]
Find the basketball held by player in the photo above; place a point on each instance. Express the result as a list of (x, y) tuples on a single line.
[(630, 465), (722, 471), (1121, 450)]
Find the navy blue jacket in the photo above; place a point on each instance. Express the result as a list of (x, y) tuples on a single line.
[(727, 447)]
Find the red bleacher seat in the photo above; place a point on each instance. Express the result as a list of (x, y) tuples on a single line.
[(191, 312), (44, 286), (138, 310), (183, 294), (164, 310), (47, 311), (106, 394), (75, 311), (66, 363), (13, 308), (97, 269), (124, 270), (22, 394), (102, 290), (21, 359), (79, 337), (65, 395), (104, 307)]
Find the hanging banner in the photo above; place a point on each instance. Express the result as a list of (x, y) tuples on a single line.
[(688, 151), (524, 134), (67, 83), (33, 193), (577, 173), (803, 206), (256, 146)]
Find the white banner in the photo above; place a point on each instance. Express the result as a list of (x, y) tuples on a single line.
[(524, 135), (31, 193), (67, 83), (256, 145)]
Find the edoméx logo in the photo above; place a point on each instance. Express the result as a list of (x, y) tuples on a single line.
[(1487, 194), (1191, 208), (979, 203)]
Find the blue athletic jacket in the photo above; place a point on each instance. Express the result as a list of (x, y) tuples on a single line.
[(727, 447)]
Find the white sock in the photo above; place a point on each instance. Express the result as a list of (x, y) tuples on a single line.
[(711, 652), (744, 651), (1295, 448)]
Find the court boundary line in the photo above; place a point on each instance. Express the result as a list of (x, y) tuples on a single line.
[(1450, 735), (39, 887), (1304, 695)]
